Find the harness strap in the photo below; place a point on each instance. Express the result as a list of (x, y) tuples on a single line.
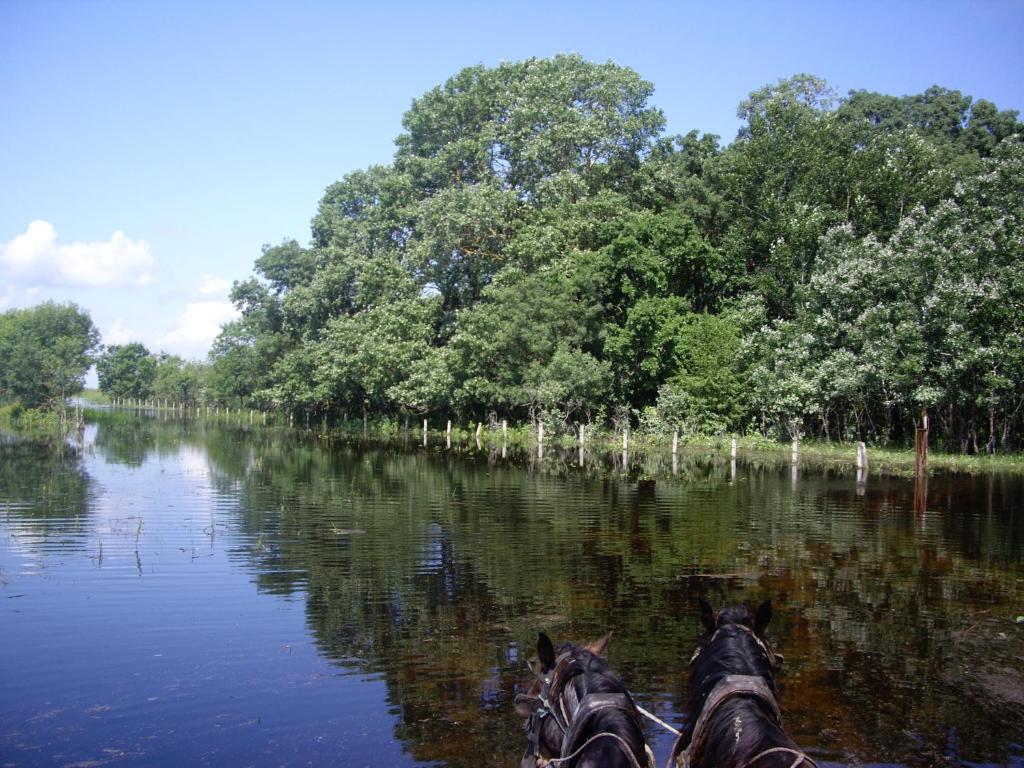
[(592, 705), (623, 744), (553, 685), (728, 687), (801, 757)]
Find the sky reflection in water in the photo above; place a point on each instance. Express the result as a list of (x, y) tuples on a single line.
[(181, 593)]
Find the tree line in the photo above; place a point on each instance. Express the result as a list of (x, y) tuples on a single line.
[(540, 249)]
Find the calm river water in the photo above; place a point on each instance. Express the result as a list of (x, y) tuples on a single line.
[(177, 593)]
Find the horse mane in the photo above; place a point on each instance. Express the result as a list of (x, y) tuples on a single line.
[(595, 675)]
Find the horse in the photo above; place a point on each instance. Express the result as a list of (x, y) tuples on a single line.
[(579, 713), (732, 712)]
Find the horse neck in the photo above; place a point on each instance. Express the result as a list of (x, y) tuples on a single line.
[(731, 651), (740, 730), (742, 727)]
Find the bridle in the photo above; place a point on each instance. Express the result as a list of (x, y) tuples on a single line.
[(553, 693), (535, 723)]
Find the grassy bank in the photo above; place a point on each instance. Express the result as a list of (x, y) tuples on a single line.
[(523, 437), (94, 397), (30, 423)]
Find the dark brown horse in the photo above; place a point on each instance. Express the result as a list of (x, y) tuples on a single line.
[(580, 714), (732, 714)]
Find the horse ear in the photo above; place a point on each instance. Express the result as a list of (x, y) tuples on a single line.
[(526, 705), (707, 616), (600, 646), (764, 615), (545, 652)]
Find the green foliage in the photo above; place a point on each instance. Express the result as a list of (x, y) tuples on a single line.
[(708, 393), (179, 381), (538, 249), (503, 348), (45, 352), (126, 370)]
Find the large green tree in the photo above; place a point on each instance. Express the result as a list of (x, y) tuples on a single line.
[(45, 352)]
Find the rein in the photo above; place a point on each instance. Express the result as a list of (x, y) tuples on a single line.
[(623, 744), (801, 757)]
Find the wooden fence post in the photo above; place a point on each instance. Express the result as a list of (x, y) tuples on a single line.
[(921, 445)]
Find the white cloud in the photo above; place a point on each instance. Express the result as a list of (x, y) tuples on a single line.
[(198, 326), (117, 333), (213, 285), (36, 258), (7, 299)]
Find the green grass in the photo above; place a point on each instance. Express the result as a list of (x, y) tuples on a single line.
[(29, 423), (94, 397)]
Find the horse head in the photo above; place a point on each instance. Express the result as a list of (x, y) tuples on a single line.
[(733, 717), (578, 712)]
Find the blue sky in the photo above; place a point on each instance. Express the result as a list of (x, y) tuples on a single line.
[(148, 149)]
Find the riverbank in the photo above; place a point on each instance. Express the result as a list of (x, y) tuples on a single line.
[(528, 438)]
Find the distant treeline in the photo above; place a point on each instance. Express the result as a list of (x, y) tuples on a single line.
[(539, 249)]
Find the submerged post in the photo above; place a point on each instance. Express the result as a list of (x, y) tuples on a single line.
[(921, 445), (424, 433), (732, 453), (796, 449), (675, 443)]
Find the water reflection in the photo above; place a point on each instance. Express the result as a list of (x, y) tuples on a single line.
[(44, 494), (433, 570)]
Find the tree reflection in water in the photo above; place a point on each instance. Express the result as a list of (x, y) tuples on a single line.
[(435, 569)]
